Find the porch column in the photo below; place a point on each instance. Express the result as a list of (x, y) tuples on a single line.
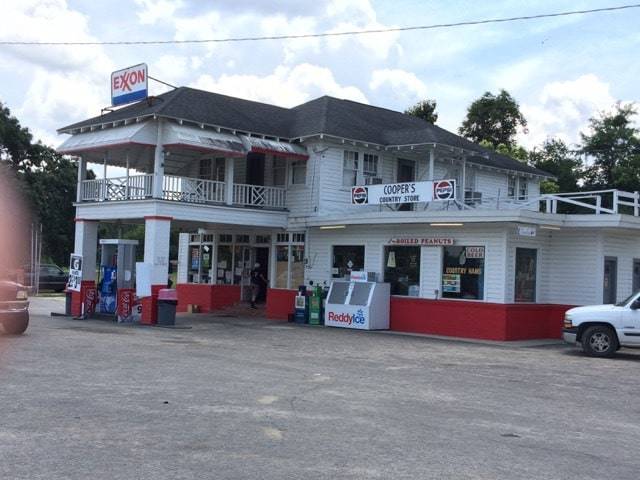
[(432, 163), (229, 164), (86, 244), (156, 254), (464, 179), (82, 175), (158, 163)]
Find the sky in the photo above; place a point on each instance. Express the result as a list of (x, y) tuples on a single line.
[(562, 71)]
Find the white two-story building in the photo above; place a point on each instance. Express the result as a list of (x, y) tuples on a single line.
[(247, 182)]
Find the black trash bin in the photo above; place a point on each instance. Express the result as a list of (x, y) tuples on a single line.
[(167, 302)]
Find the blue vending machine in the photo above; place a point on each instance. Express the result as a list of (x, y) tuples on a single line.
[(109, 289)]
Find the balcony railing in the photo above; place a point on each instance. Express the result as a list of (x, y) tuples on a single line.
[(181, 189)]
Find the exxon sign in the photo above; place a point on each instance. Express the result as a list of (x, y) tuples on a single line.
[(129, 85)]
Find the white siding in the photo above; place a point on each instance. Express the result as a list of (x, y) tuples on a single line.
[(320, 242)]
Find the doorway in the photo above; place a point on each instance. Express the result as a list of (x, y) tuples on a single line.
[(636, 275), (261, 256), (406, 173), (610, 293), (255, 168)]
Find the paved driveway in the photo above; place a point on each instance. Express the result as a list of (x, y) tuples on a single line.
[(233, 399)]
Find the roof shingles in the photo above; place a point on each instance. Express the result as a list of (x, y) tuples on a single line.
[(324, 115)]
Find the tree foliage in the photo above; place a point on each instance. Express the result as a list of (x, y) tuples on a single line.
[(494, 119), (48, 183), (556, 158), (424, 109), (612, 149)]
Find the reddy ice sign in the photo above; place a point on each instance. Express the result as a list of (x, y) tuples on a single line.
[(407, 192), (129, 85)]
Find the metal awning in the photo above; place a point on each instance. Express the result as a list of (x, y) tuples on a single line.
[(144, 134), (203, 140), (273, 147)]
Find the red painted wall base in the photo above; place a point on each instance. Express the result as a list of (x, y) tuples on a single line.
[(280, 303), (207, 297), (150, 306), (481, 320), (464, 319)]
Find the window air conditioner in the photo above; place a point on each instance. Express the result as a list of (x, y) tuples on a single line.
[(472, 198), (373, 181)]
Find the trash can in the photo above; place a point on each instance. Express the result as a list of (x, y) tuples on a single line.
[(167, 302), (67, 302)]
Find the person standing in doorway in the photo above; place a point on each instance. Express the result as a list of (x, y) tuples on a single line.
[(257, 283)]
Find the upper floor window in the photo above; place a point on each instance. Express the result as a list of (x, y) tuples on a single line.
[(212, 169), (523, 188), (279, 171), (511, 187), (350, 168), (298, 172), (370, 165)]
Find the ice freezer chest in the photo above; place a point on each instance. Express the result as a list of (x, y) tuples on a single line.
[(361, 305)]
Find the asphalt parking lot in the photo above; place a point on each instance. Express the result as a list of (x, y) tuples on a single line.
[(234, 398)]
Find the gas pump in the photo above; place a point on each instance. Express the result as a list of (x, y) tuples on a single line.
[(117, 276)]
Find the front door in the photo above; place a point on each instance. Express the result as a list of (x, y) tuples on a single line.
[(255, 168), (636, 275), (261, 256), (406, 173), (610, 292)]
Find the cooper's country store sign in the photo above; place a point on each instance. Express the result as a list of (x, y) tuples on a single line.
[(407, 192)]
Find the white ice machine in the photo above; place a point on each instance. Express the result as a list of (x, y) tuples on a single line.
[(357, 304)]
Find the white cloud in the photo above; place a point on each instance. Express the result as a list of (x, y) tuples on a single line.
[(398, 84), (564, 108), (285, 86), (154, 10), (47, 20)]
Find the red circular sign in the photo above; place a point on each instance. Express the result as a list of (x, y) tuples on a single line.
[(443, 190), (359, 195)]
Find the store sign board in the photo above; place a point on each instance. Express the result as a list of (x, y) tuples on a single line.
[(474, 252), (525, 231), (75, 273), (423, 241), (407, 192), (129, 85)]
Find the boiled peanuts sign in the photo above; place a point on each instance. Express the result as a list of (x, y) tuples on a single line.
[(407, 192)]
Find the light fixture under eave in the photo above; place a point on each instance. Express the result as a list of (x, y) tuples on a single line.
[(549, 227), (446, 224), (333, 227)]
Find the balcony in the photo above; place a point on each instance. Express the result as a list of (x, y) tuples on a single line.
[(182, 189)]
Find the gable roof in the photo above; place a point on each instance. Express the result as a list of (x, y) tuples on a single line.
[(324, 115)]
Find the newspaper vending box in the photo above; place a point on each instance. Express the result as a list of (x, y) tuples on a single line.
[(358, 304)]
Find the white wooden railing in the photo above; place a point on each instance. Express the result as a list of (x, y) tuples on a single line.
[(192, 190), (181, 189), (134, 187), (259, 196)]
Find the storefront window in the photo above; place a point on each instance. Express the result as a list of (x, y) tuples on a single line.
[(402, 270), (224, 270), (525, 275), (463, 273), (347, 258), (523, 188), (350, 169), (282, 265), (299, 172), (297, 266)]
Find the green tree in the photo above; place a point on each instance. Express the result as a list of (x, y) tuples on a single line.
[(424, 109), (612, 148), (48, 183), (494, 119), (556, 158), (514, 151)]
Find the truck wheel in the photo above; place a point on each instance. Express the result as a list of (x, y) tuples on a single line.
[(16, 325), (599, 341)]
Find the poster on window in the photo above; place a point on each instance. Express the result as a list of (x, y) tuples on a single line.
[(451, 283)]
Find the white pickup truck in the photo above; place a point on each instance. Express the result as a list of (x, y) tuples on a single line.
[(603, 329)]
